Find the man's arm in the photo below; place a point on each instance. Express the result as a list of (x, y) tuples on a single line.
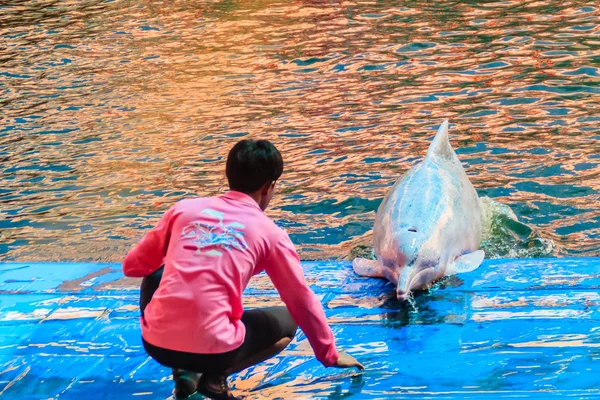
[(283, 267), (148, 255)]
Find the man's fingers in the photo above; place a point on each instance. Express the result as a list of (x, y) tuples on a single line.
[(347, 361)]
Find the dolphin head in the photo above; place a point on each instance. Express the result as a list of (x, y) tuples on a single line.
[(406, 238), (408, 254), (418, 264)]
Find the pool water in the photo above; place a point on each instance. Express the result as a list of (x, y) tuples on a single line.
[(113, 110), (511, 328)]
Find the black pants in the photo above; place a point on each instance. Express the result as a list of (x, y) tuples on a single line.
[(264, 328)]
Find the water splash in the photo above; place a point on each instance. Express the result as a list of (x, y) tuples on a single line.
[(411, 301), (504, 236)]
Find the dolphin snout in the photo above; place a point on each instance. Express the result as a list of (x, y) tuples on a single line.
[(402, 295), (403, 286)]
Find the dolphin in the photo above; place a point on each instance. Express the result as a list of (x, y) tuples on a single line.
[(429, 224)]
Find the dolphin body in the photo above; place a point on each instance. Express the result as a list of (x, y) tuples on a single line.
[(429, 225)]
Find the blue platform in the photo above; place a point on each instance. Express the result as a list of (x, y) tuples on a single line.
[(512, 328)]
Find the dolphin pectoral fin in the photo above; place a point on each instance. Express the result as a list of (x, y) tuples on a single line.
[(364, 267), (466, 263)]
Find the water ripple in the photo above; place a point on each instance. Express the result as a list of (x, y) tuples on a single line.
[(114, 110)]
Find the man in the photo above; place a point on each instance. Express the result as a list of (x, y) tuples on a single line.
[(192, 313)]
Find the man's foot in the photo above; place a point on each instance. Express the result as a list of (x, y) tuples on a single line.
[(215, 387), (185, 383)]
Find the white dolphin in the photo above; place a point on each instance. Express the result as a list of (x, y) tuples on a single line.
[(429, 225)]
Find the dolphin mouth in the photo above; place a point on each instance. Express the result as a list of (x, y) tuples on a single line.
[(402, 296), (404, 289)]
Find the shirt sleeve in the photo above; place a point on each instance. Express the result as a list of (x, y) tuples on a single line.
[(148, 255), (283, 267)]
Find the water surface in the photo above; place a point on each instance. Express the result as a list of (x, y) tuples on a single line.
[(113, 110)]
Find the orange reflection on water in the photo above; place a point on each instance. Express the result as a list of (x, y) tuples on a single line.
[(113, 111)]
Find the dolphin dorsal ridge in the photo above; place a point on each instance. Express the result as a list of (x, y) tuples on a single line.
[(441, 143)]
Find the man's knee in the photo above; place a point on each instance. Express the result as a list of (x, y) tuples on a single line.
[(287, 323), (291, 327), (292, 330)]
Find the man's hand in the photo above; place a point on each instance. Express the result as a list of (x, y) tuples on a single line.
[(345, 360)]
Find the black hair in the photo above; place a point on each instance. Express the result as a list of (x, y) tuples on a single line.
[(251, 164)]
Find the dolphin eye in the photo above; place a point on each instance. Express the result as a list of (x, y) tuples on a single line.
[(412, 229)]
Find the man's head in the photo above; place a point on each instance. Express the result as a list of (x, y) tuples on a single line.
[(253, 167)]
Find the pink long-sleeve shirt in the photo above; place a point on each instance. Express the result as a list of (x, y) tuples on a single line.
[(211, 247)]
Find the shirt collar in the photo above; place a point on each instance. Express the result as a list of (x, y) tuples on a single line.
[(241, 197)]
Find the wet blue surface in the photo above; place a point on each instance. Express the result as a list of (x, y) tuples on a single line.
[(114, 110), (512, 328)]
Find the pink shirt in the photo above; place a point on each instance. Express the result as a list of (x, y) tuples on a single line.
[(211, 247)]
